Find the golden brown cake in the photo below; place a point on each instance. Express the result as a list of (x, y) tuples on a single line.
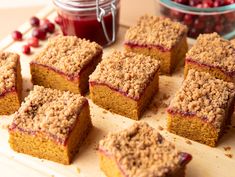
[(124, 83), (214, 55), (160, 38), (66, 63), (201, 108), (233, 42), (10, 83), (140, 151), (50, 124)]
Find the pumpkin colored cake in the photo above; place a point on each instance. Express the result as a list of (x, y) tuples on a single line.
[(141, 151), (50, 124), (214, 55), (160, 38), (201, 108), (66, 63), (124, 83), (10, 83)]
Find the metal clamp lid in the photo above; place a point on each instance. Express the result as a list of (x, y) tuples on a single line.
[(100, 12)]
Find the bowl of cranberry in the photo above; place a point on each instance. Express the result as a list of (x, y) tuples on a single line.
[(202, 16)]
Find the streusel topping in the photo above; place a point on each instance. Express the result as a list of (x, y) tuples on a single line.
[(50, 111), (203, 95), (141, 151), (68, 54), (8, 64), (214, 51), (153, 30), (127, 72)]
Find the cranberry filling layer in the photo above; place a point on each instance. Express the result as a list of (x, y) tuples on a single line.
[(161, 48), (7, 91), (229, 73)]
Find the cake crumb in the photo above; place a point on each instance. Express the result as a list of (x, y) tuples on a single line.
[(160, 128), (78, 170), (188, 142), (229, 155), (104, 112), (227, 148)]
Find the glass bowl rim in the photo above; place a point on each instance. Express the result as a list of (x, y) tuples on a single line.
[(185, 8)]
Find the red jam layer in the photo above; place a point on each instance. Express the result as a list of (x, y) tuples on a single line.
[(70, 77), (56, 139), (161, 48), (87, 26), (190, 60), (185, 158), (7, 91)]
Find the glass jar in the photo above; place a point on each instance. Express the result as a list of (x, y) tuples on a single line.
[(201, 20), (96, 20)]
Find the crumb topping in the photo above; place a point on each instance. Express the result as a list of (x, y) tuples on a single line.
[(8, 64), (206, 97), (68, 54), (213, 50), (127, 72), (142, 151), (49, 111), (153, 30)]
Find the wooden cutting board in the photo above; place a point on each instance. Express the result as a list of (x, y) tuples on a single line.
[(207, 161)]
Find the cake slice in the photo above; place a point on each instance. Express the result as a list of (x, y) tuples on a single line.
[(141, 151), (50, 124), (201, 108), (124, 83), (66, 63), (160, 38), (10, 83), (214, 55)]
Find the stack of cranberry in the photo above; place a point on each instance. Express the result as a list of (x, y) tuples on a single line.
[(40, 31), (220, 23)]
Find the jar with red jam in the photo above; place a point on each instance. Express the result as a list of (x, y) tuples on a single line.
[(96, 20)]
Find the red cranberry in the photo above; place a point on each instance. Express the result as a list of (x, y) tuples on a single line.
[(45, 20), (58, 20), (194, 2), (219, 28), (228, 2), (39, 33), (181, 1), (193, 32), (48, 27), (33, 42), (198, 24), (184, 158), (188, 19), (34, 21), (207, 3), (217, 3), (26, 49), (16, 35)]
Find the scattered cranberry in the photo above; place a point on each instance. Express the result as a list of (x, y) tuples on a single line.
[(45, 20), (34, 21), (33, 42), (39, 33), (16, 35), (185, 158), (48, 27), (58, 20), (26, 49)]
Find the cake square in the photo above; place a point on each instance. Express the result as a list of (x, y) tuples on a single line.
[(213, 54), (10, 83), (66, 63), (201, 108), (124, 83), (50, 124), (160, 38), (141, 151)]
